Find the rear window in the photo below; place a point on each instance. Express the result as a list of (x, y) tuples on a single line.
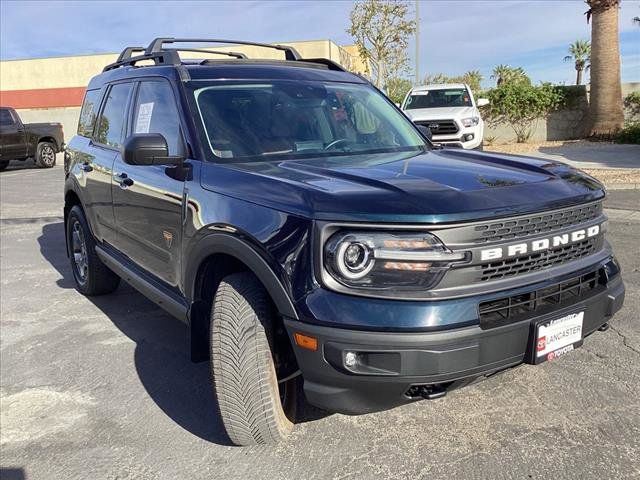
[(89, 113), (5, 117)]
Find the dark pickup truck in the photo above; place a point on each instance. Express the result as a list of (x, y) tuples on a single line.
[(19, 141), (317, 244)]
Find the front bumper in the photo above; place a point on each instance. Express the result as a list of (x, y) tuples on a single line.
[(395, 362), (468, 138)]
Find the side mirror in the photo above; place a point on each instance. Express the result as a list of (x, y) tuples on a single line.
[(481, 102), (426, 132), (148, 149)]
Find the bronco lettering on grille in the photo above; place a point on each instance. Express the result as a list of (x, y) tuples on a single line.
[(539, 245)]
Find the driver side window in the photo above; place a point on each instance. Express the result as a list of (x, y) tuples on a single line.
[(156, 112)]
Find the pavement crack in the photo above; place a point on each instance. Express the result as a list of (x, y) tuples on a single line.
[(625, 341)]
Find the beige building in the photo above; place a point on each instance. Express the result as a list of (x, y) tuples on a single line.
[(52, 89)]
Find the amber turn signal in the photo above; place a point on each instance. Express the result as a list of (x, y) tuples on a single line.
[(306, 341)]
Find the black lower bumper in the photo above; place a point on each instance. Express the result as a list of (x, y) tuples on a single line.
[(390, 364)]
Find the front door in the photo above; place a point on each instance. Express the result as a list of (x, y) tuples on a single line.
[(147, 200)]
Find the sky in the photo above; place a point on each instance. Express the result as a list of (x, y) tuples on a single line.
[(455, 35)]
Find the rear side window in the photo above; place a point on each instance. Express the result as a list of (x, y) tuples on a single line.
[(113, 118), (89, 113), (5, 117), (156, 112)]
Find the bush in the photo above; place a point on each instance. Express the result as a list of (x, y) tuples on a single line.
[(397, 89), (629, 134), (632, 105), (521, 105)]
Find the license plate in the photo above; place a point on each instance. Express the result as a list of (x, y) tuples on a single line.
[(556, 337)]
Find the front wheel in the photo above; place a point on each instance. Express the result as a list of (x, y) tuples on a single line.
[(4, 164), (255, 407), (45, 155)]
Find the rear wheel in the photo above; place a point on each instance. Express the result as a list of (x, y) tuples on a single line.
[(4, 164), (45, 155), (92, 277), (255, 407)]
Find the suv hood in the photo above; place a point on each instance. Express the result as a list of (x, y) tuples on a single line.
[(442, 113), (434, 186)]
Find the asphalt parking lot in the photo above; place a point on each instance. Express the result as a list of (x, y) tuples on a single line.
[(103, 388)]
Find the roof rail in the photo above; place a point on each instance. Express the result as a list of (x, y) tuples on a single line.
[(160, 55), (157, 44)]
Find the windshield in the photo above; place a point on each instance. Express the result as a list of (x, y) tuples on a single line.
[(284, 119), (436, 98)]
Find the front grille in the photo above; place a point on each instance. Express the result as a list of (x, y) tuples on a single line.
[(534, 224), (537, 261), (506, 310), (440, 127)]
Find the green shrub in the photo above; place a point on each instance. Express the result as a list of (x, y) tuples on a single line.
[(632, 105), (520, 105), (629, 134)]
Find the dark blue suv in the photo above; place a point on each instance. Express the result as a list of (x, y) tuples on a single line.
[(316, 242)]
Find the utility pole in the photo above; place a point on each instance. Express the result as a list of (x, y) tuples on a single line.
[(417, 42)]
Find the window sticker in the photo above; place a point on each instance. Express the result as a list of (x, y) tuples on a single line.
[(143, 122)]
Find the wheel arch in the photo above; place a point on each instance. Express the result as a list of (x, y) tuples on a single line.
[(214, 257), (50, 140)]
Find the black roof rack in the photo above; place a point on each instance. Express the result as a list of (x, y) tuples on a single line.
[(156, 45), (160, 55)]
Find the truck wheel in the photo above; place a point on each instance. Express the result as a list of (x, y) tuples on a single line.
[(92, 277), (4, 164), (254, 408), (45, 155)]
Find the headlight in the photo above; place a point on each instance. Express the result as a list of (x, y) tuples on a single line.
[(384, 261), (471, 121)]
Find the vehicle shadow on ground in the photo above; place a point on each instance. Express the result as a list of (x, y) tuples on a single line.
[(181, 388)]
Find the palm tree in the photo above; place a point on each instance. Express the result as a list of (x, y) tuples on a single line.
[(500, 74), (579, 51), (606, 113), (506, 74), (473, 78)]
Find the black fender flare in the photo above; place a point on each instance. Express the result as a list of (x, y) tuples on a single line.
[(224, 243)]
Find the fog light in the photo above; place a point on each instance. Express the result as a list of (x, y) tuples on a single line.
[(468, 137), (350, 359)]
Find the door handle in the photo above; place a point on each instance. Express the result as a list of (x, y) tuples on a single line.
[(85, 167), (123, 180)]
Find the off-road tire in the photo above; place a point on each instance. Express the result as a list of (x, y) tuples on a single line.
[(4, 164), (44, 153), (98, 279), (244, 374)]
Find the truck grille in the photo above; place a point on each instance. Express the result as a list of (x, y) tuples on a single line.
[(537, 261), (440, 127), (499, 312), (534, 224)]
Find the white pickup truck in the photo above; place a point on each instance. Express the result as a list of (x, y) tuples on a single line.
[(449, 111)]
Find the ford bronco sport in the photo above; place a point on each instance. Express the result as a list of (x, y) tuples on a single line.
[(316, 243)]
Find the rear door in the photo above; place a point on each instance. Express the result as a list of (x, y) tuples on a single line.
[(147, 199), (96, 152), (12, 136)]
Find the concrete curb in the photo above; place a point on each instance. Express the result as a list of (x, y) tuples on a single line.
[(622, 186)]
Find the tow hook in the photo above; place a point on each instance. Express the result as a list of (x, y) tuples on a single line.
[(604, 327)]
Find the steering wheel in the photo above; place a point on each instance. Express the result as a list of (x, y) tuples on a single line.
[(336, 142)]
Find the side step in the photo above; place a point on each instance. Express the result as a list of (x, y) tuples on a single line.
[(155, 292)]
